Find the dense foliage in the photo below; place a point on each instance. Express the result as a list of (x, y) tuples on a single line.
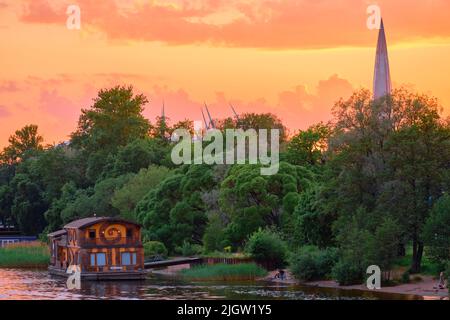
[(155, 249), (357, 191), (312, 263), (266, 245)]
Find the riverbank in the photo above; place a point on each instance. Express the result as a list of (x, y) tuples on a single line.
[(422, 289), (24, 255)]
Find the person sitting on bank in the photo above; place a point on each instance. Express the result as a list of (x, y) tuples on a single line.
[(280, 275)]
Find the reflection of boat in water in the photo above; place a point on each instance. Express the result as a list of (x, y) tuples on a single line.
[(103, 248)]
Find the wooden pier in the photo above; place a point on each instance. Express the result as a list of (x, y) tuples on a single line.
[(172, 262)]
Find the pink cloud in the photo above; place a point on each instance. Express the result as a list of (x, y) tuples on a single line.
[(255, 23), (55, 103), (297, 108), (9, 86), (4, 112)]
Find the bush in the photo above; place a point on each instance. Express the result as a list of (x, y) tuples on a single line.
[(405, 277), (155, 248), (346, 272), (188, 249), (311, 263), (266, 246), (436, 231), (214, 237)]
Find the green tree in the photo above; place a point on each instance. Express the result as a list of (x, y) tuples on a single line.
[(254, 121), (253, 201), (384, 248), (126, 198), (24, 141), (53, 215), (266, 246), (312, 222), (396, 165), (28, 206), (139, 154), (436, 233), (84, 203), (214, 237), (174, 212), (307, 147), (115, 119)]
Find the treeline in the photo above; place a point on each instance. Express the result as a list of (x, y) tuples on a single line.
[(357, 191)]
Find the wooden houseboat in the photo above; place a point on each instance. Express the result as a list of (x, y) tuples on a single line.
[(103, 248)]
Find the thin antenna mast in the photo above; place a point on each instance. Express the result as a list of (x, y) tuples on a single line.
[(204, 119), (211, 122)]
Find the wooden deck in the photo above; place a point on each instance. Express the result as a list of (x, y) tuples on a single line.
[(172, 262)]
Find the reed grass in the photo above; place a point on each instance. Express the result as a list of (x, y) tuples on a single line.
[(225, 272), (24, 255)]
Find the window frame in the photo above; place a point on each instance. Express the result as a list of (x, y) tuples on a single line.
[(90, 232)]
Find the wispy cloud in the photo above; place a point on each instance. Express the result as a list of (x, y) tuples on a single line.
[(274, 24)]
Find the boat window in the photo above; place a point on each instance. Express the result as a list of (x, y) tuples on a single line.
[(101, 259), (92, 259), (92, 234), (126, 258), (129, 233), (134, 257)]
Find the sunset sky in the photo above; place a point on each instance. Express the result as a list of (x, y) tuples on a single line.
[(290, 57)]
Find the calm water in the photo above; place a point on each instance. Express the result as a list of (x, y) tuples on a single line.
[(38, 284)]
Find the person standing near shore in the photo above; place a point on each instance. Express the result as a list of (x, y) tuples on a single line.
[(441, 283)]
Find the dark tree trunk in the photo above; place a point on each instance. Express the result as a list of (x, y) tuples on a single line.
[(417, 256), (401, 252)]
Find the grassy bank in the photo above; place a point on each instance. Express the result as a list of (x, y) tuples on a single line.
[(428, 266), (26, 255), (225, 272)]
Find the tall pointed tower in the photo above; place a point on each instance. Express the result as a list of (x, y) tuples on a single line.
[(382, 76)]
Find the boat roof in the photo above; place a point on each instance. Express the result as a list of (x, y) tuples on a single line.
[(86, 222), (57, 233)]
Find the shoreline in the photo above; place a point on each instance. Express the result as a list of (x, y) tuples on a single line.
[(422, 289)]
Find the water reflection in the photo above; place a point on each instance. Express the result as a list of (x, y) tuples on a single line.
[(38, 284)]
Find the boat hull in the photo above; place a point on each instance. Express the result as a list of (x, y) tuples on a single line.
[(101, 276)]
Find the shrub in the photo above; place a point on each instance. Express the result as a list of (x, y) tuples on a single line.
[(311, 263), (189, 249), (347, 272), (214, 237), (436, 231), (267, 246), (155, 248), (405, 277)]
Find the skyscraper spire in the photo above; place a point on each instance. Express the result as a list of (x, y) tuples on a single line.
[(382, 76)]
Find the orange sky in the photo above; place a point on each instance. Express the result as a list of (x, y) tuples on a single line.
[(290, 57)]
